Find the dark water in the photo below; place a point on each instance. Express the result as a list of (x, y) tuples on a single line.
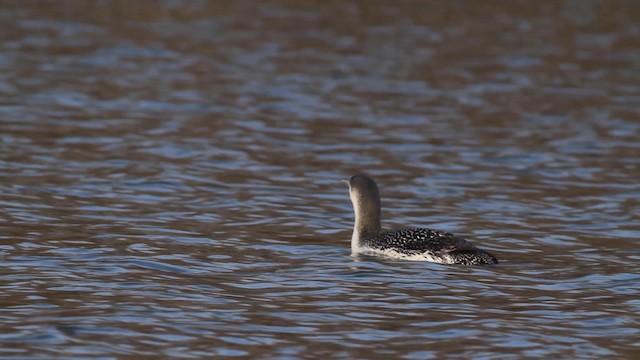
[(170, 178)]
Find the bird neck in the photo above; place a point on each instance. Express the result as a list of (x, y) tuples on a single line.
[(367, 214)]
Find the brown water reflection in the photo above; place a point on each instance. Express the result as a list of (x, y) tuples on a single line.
[(169, 177)]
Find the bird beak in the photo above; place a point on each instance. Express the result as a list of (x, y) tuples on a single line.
[(345, 181)]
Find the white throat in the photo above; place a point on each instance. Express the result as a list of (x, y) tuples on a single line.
[(356, 236), (355, 242)]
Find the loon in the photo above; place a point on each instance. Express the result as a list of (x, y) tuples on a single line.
[(409, 244)]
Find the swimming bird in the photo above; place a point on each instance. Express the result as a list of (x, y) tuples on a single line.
[(408, 244)]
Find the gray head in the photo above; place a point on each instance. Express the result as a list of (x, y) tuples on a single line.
[(365, 198)]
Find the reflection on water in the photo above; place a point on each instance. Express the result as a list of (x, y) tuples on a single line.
[(170, 178)]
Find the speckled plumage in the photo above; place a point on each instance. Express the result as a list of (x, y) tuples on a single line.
[(426, 244), (409, 244)]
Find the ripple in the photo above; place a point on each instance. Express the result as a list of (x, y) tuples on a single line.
[(170, 180)]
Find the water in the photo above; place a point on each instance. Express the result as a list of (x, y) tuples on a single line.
[(170, 178)]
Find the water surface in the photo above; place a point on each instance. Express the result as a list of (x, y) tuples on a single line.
[(169, 181)]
